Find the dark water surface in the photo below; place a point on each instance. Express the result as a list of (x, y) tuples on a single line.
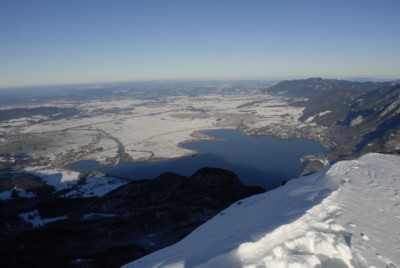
[(262, 161)]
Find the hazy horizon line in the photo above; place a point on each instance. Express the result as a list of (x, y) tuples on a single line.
[(248, 78)]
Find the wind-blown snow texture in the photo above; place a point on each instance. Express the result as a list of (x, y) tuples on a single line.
[(345, 216)]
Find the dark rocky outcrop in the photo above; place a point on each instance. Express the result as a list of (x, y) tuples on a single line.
[(125, 224)]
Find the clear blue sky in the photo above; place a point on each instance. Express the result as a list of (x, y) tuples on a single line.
[(77, 41)]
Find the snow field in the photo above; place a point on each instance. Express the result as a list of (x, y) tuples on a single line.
[(95, 186), (60, 179), (152, 128), (345, 216), (69, 180)]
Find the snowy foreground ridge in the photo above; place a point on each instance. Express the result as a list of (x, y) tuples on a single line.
[(345, 216)]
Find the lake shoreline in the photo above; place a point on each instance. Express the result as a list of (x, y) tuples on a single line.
[(257, 160)]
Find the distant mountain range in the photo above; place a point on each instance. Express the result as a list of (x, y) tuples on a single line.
[(312, 86)]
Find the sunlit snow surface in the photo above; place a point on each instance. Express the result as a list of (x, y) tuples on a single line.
[(345, 216)]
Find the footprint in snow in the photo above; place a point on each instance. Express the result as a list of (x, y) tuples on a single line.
[(364, 236)]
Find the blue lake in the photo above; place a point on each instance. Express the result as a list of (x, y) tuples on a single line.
[(264, 161)]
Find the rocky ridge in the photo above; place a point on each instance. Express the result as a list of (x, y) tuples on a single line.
[(125, 224)]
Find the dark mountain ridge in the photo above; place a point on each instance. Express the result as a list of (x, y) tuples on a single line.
[(311, 86), (123, 225), (360, 117)]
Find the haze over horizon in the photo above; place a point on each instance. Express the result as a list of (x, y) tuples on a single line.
[(72, 42)]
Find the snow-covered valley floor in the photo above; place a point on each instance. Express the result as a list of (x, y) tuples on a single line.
[(133, 129), (140, 129), (345, 216)]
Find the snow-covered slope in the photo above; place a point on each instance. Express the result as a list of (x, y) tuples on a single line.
[(345, 216)]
